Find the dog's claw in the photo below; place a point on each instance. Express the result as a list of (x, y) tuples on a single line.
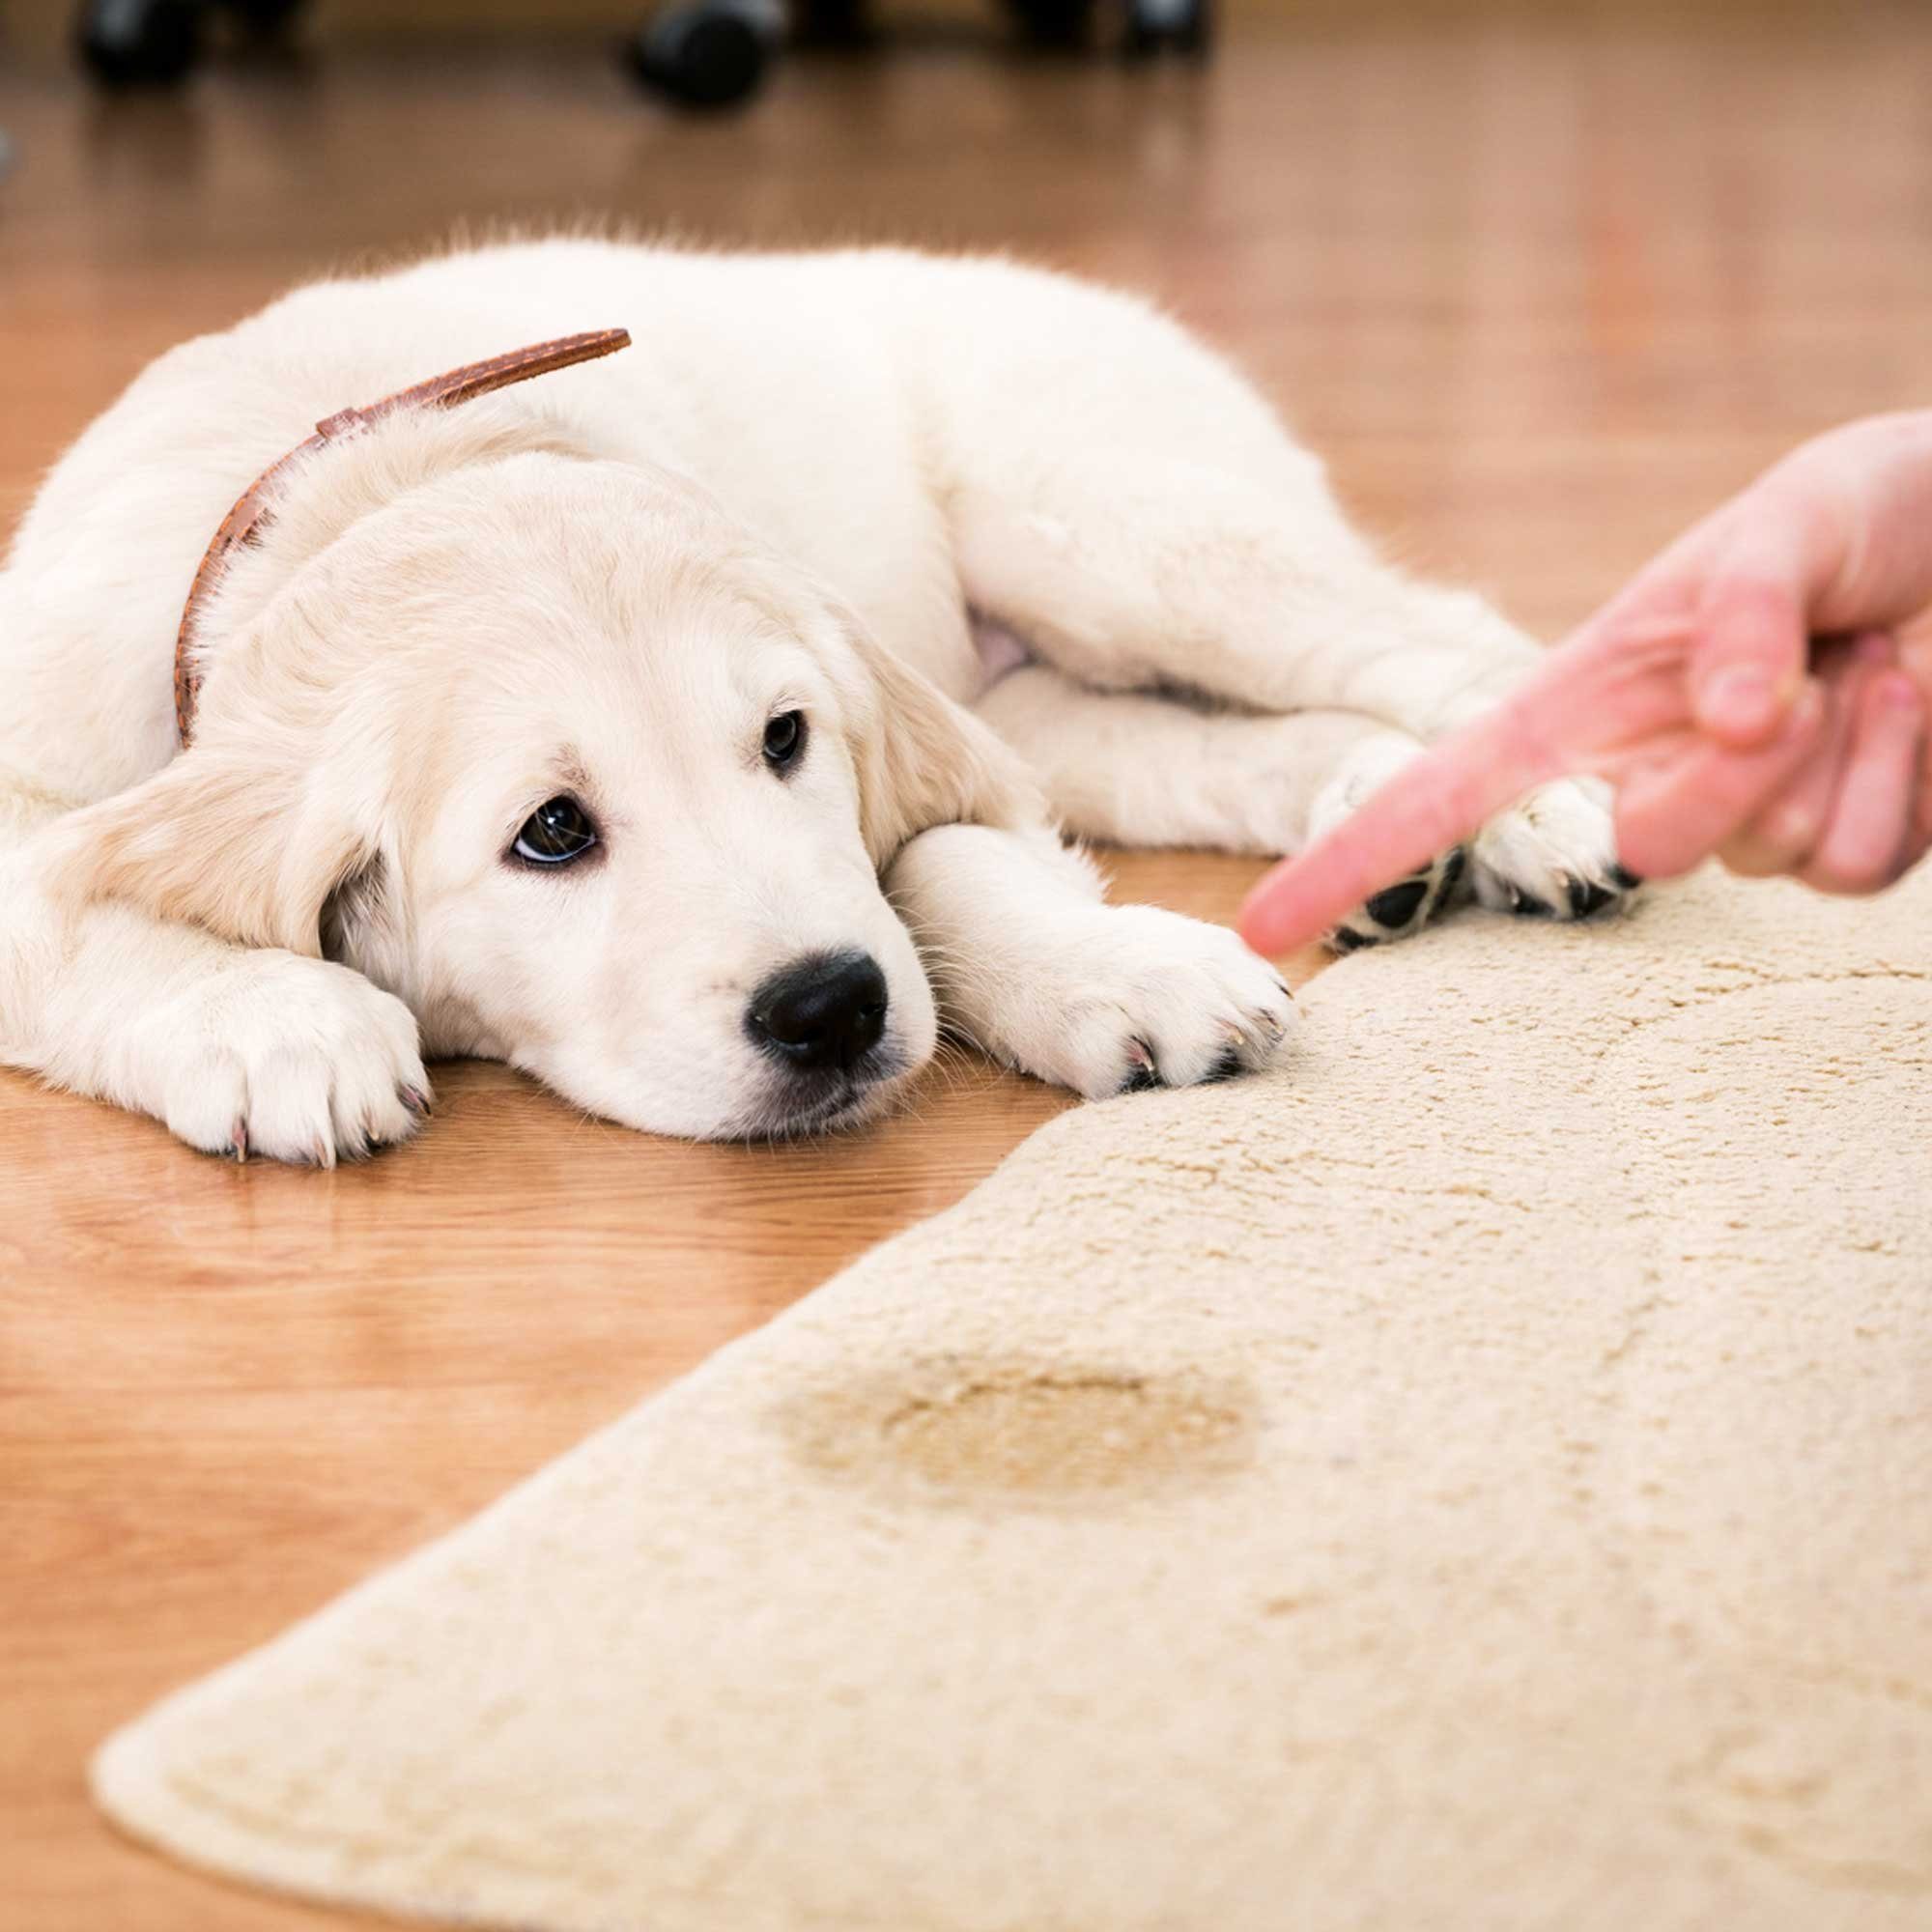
[(1586, 896), (237, 1141), (415, 1101)]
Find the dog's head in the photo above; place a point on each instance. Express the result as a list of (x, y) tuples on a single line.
[(592, 780)]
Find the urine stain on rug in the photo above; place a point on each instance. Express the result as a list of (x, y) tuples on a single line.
[(1026, 1432)]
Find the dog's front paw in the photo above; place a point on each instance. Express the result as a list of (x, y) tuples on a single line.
[(1553, 855), (1135, 997), (291, 1058)]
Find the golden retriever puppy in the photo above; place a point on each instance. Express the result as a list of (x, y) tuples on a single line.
[(692, 728)]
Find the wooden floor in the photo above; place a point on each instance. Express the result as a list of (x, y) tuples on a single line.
[(1539, 292)]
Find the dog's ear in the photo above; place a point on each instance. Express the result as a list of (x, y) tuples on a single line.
[(233, 844), (923, 761)]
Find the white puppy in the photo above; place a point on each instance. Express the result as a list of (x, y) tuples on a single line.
[(643, 725)]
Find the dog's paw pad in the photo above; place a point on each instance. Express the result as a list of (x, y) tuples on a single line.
[(1394, 908), (1400, 909)]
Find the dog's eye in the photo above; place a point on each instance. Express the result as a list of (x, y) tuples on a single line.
[(785, 740), (554, 834)]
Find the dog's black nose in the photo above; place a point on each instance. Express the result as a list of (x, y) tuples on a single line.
[(826, 1010)]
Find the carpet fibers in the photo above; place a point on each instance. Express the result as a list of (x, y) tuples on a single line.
[(1479, 1480)]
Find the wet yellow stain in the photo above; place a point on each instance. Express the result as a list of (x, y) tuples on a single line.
[(1026, 1430)]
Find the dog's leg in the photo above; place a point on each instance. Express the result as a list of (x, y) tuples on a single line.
[(1125, 503), (1187, 578), (239, 1050), (1267, 599), (1029, 964), (1135, 770), (1133, 508)]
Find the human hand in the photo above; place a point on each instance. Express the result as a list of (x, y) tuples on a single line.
[(1761, 690)]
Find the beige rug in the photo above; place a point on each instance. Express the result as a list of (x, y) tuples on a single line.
[(1481, 1480)]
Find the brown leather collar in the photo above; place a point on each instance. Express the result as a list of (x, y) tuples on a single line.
[(244, 523)]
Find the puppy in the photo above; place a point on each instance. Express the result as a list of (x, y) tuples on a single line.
[(690, 727)]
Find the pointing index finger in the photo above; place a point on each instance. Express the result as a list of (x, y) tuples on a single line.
[(1433, 803)]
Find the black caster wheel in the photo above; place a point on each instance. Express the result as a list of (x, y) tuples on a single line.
[(139, 42), (707, 53), (1167, 26), (1055, 23)]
